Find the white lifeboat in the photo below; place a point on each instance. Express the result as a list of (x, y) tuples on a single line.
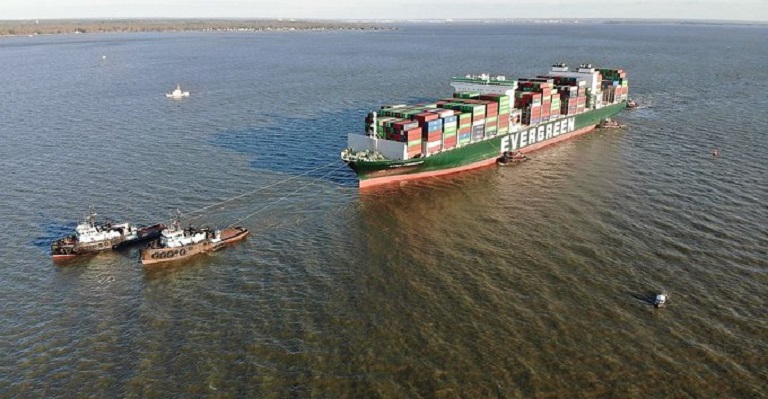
[(177, 93)]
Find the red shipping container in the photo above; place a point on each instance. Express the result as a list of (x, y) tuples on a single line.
[(425, 117), (491, 97), (405, 125)]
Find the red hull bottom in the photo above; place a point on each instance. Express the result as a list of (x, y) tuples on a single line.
[(377, 181), (65, 257)]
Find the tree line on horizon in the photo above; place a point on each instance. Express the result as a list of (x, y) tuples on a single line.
[(44, 27)]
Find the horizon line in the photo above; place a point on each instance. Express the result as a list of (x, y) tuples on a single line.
[(395, 20)]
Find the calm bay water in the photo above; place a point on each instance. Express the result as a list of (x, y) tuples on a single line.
[(530, 281)]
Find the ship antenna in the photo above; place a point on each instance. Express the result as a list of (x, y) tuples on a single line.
[(177, 220), (91, 216)]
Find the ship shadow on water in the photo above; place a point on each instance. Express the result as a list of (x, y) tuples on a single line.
[(89, 259), (648, 298), (51, 232), (298, 145), (295, 145), (192, 265), (175, 268)]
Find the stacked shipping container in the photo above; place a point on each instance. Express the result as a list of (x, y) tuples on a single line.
[(469, 117), (501, 102), (572, 94), (614, 84)]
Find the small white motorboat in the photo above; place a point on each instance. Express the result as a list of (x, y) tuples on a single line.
[(177, 93), (661, 300)]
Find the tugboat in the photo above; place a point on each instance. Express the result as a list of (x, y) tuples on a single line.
[(660, 301), (632, 104), (609, 123), (91, 237), (509, 157), (176, 243), (177, 93)]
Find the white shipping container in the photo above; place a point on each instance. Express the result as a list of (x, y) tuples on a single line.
[(389, 149)]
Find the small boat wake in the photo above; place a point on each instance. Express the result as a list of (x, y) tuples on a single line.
[(656, 299), (177, 93)]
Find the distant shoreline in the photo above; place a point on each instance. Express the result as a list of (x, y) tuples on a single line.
[(78, 26), (31, 27)]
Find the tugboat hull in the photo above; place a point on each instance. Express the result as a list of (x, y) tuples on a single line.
[(69, 247), (154, 255)]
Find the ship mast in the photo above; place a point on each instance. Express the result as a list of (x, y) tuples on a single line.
[(373, 126), (91, 218), (374, 135)]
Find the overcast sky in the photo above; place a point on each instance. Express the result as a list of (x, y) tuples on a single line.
[(745, 10)]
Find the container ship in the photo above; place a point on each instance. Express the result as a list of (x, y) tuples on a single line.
[(488, 116)]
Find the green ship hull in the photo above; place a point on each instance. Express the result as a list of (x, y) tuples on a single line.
[(481, 153)]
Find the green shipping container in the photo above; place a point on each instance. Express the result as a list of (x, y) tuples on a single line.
[(466, 94)]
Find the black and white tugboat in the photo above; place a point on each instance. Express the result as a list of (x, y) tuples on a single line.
[(176, 243), (92, 237), (509, 158), (609, 123)]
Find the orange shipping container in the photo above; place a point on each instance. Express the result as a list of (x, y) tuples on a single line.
[(435, 136)]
